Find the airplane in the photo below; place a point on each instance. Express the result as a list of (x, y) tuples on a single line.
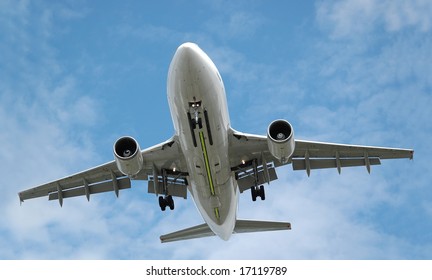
[(207, 158)]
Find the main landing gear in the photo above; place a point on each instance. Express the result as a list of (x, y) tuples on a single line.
[(166, 201), (258, 191)]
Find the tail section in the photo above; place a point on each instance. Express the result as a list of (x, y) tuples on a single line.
[(241, 226)]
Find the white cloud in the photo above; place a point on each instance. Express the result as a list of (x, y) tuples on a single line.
[(346, 17), (353, 18), (39, 110), (400, 14)]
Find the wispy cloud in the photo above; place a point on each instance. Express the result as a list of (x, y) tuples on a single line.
[(357, 17), (39, 112)]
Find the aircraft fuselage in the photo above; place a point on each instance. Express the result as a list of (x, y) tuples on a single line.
[(199, 110)]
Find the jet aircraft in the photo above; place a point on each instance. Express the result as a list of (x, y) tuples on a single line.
[(207, 159)]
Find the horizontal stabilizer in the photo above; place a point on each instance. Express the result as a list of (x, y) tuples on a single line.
[(189, 233), (241, 226)]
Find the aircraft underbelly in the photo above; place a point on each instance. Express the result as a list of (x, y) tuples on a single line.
[(212, 184), (198, 106)]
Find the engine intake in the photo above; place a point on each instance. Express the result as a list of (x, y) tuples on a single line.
[(280, 140), (128, 156)]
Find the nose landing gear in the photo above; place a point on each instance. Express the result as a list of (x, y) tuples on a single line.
[(193, 114)]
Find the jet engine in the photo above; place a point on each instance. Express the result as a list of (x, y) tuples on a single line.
[(280, 140), (128, 156)]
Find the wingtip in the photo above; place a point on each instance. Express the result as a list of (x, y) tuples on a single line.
[(20, 198)]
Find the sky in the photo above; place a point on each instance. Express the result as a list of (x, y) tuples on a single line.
[(77, 75)]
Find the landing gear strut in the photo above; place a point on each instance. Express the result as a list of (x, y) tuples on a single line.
[(166, 201), (258, 191), (255, 190), (194, 114), (196, 122)]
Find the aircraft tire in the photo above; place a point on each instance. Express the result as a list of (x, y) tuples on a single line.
[(162, 203), (254, 193), (262, 192), (170, 202)]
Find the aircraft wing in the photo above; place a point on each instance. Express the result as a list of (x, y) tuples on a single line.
[(250, 155), (107, 177), (315, 155)]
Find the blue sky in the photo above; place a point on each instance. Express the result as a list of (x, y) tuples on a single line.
[(77, 75)]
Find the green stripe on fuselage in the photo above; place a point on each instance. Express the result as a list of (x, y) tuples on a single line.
[(207, 163), (209, 176)]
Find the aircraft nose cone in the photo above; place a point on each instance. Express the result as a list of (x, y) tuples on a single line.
[(188, 48), (189, 53)]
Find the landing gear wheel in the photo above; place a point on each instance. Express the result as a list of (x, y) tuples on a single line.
[(170, 202), (197, 123), (200, 123), (162, 203), (257, 191), (262, 192), (254, 193), (166, 201)]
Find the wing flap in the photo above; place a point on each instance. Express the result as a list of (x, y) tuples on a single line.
[(178, 190), (246, 179), (94, 175), (301, 164), (310, 155), (329, 150), (123, 183)]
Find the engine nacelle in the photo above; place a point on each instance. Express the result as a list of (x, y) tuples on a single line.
[(280, 140), (128, 156)]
